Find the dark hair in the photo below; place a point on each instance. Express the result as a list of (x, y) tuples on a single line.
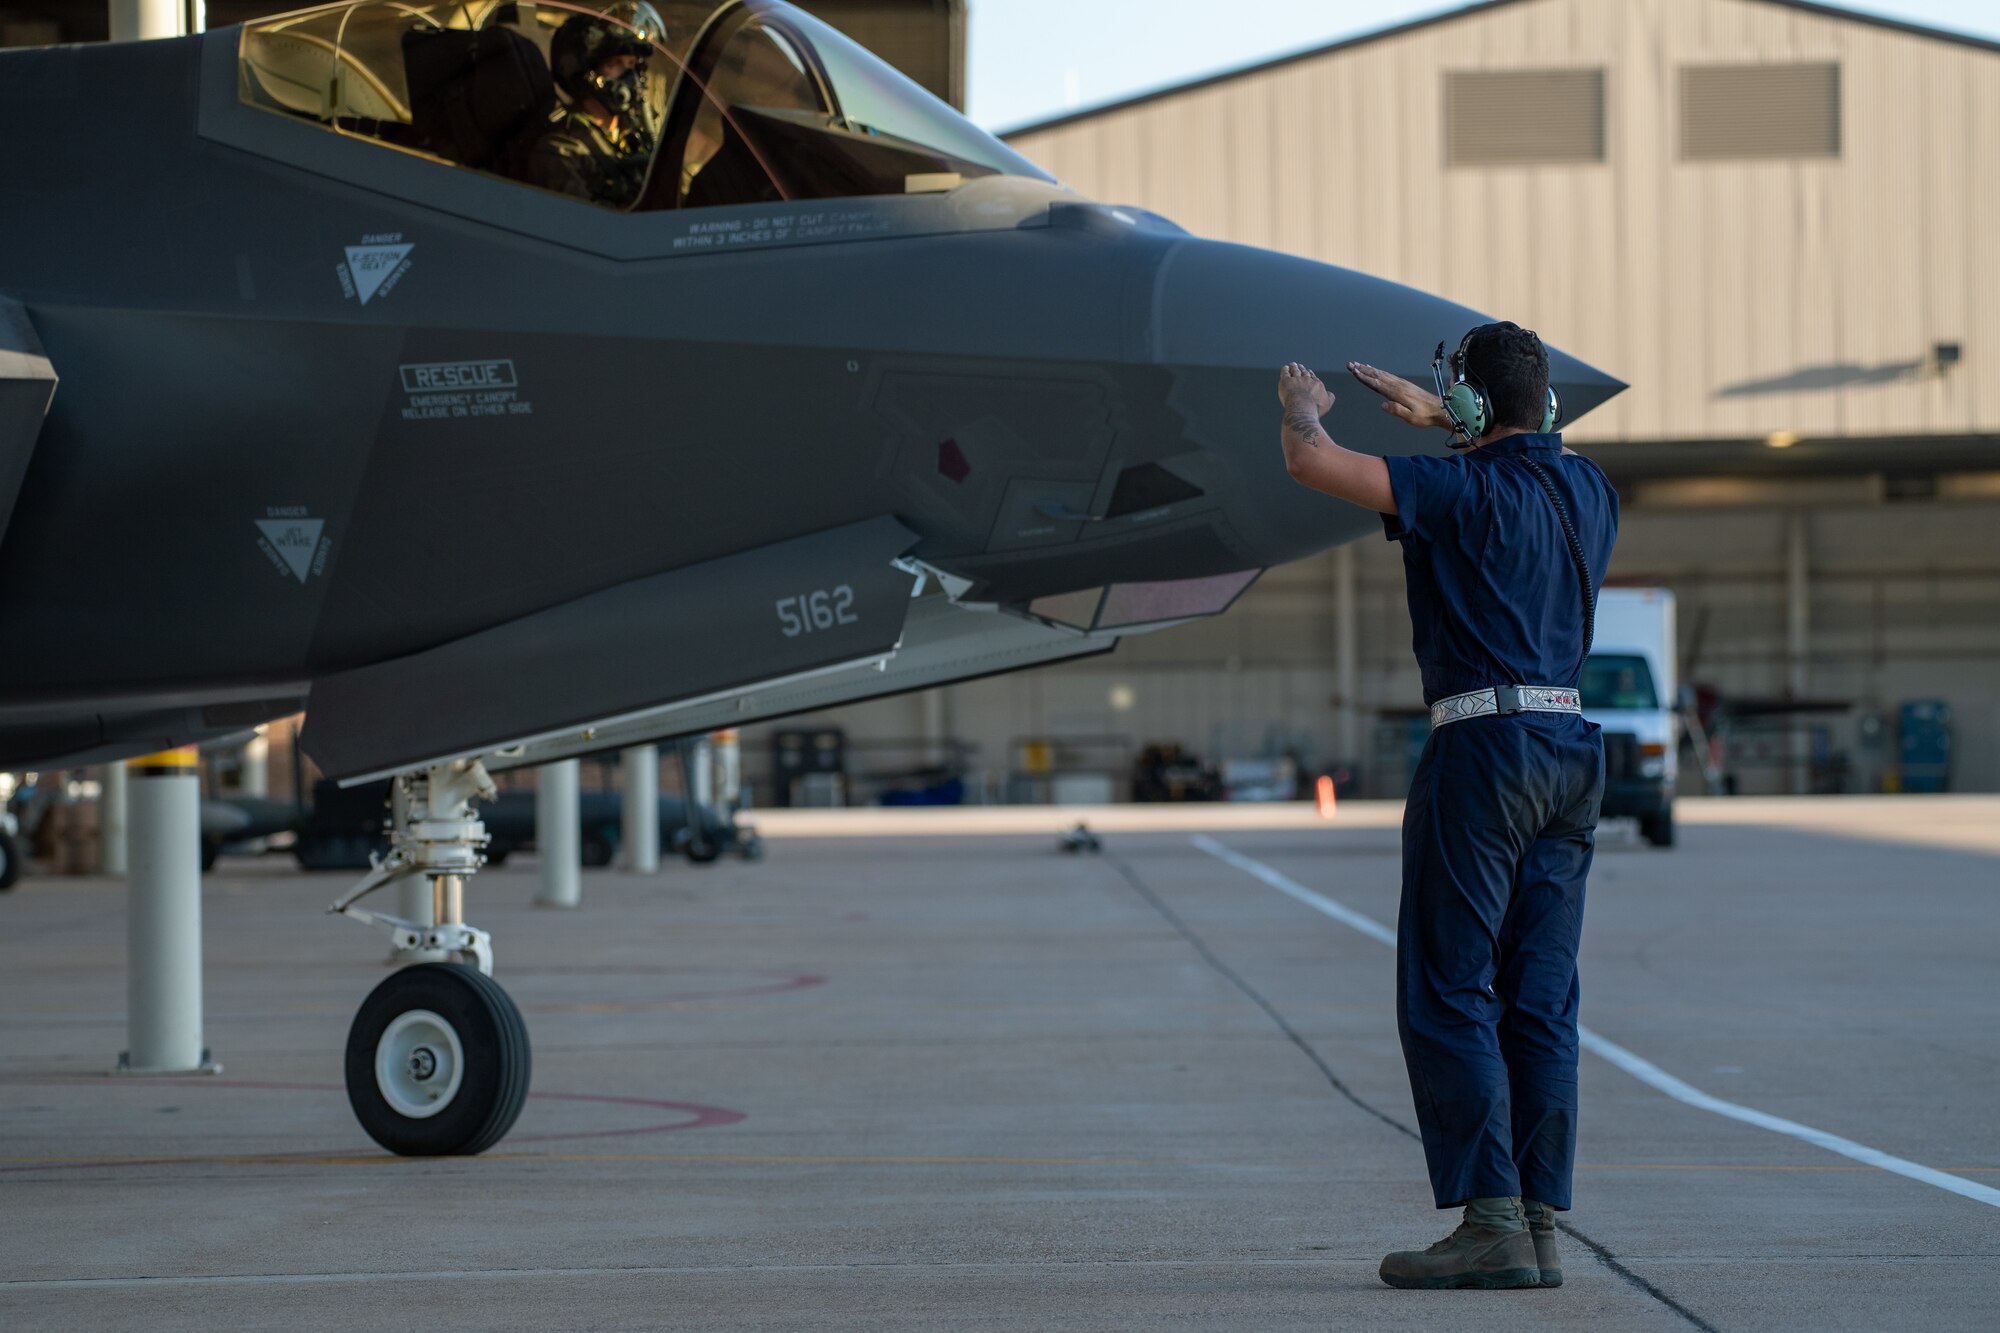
[(1513, 366)]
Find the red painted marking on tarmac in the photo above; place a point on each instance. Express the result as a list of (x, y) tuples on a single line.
[(702, 1117), (781, 982)]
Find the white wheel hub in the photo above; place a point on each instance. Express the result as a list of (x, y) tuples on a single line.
[(419, 1064)]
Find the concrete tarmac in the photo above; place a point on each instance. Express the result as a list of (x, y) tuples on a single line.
[(957, 1080)]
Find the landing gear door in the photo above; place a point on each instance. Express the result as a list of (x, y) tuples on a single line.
[(825, 602)]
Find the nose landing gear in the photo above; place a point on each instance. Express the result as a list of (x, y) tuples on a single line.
[(438, 1058), (437, 1062)]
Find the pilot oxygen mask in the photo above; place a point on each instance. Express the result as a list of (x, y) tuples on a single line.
[(583, 51)]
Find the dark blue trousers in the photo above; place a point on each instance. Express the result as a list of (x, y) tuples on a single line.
[(1497, 842)]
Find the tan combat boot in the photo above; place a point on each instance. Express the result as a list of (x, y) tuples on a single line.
[(1542, 1226), (1474, 1255)]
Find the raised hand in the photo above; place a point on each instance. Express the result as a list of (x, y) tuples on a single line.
[(1400, 398), (1298, 386)]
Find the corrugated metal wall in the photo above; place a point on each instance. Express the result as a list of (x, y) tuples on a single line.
[(1738, 297)]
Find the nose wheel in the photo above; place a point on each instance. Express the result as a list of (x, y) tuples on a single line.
[(437, 1059), (437, 1062)]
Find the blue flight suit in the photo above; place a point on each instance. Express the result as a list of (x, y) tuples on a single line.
[(1502, 815)]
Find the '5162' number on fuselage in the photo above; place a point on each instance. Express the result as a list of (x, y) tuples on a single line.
[(816, 611)]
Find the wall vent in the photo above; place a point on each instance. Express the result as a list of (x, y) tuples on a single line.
[(1735, 113), (1523, 117)]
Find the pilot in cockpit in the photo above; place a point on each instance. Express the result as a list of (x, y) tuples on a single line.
[(598, 144)]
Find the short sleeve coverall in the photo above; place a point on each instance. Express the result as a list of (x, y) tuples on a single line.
[(1502, 814)]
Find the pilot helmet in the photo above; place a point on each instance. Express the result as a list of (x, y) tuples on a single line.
[(587, 42)]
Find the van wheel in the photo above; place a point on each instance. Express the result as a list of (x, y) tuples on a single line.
[(10, 861), (1658, 829)]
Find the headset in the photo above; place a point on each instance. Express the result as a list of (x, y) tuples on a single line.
[(1465, 399)]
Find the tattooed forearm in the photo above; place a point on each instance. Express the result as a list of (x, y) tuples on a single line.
[(1303, 423)]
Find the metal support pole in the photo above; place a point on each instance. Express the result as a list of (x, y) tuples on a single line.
[(559, 834), (703, 768), (111, 821), (137, 20), (729, 767), (163, 918), (255, 767), (934, 728), (642, 809), (1798, 636), (1346, 655)]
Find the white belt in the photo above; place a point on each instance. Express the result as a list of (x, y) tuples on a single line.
[(1503, 699)]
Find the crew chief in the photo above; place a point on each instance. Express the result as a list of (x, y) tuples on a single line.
[(1504, 549)]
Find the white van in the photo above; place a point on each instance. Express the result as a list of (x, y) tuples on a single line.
[(1629, 690)]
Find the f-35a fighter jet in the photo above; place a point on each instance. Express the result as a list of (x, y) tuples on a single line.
[(505, 381)]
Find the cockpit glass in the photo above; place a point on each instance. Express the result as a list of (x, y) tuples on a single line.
[(877, 99), (635, 105), (801, 109)]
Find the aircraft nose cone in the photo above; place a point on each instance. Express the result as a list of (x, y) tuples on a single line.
[(1227, 317)]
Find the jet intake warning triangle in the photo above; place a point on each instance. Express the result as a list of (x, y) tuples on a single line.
[(294, 539)]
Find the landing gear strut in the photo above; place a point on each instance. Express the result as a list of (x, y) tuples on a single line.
[(438, 1058)]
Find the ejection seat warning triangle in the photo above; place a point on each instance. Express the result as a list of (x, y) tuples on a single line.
[(375, 266), (294, 541)]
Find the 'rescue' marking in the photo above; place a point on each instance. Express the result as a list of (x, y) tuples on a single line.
[(1643, 1070), (425, 376), (444, 390)]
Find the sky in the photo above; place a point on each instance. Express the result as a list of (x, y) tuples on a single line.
[(1033, 59)]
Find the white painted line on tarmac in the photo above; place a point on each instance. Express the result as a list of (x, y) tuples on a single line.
[(1644, 1070), (1347, 916)]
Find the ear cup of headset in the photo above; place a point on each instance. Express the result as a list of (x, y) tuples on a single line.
[(1554, 413), (1468, 406)]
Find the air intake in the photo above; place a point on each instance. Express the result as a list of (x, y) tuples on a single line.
[(1148, 486)]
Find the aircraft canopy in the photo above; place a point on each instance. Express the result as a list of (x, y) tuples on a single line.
[(636, 105)]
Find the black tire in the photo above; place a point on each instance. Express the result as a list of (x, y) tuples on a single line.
[(498, 852), (598, 851), (1658, 829), (493, 1054), (703, 849), (10, 861), (211, 849)]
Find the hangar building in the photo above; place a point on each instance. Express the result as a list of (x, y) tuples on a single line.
[(1771, 218), (1765, 214)]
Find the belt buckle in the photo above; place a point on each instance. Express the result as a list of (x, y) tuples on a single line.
[(1507, 699)]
